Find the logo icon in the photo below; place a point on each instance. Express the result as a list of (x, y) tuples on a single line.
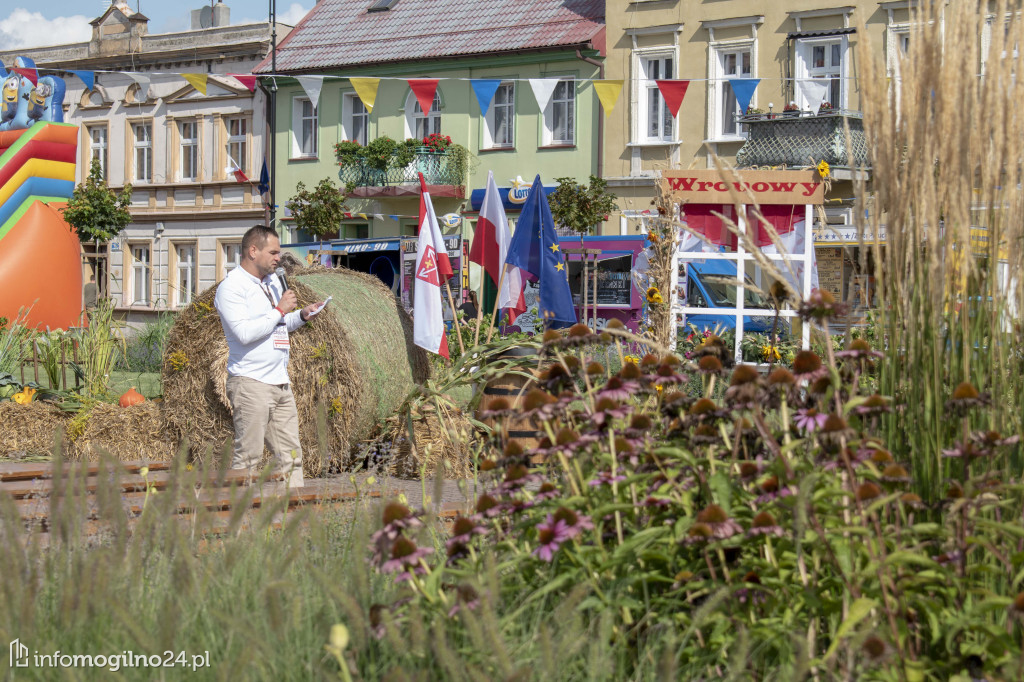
[(519, 191), (428, 267), (19, 654)]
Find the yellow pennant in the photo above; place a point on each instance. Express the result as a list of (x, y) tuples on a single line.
[(608, 92), (362, 215), (196, 80), (366, 88)]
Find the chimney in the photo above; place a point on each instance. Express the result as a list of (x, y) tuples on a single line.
[(221, 14)]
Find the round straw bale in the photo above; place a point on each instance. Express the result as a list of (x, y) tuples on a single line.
[(440, 445), (350, 366), (127, 433), (29, 430)]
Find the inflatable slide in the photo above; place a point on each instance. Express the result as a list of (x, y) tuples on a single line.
[(40, 256)]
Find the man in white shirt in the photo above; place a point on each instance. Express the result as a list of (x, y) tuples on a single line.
[(257, 314)]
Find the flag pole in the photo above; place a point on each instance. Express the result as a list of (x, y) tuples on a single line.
[(455, 326), (497, 300), (480, 308)]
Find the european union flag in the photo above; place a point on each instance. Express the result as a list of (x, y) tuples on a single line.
[(264, 186), (534, 250)]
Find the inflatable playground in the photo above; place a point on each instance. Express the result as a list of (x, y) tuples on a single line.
[(40, 255)]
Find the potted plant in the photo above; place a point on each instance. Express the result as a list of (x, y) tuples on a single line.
[(752, 114), (791, 110), (825, 108)]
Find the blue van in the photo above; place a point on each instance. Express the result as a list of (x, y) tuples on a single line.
[(706, 288)]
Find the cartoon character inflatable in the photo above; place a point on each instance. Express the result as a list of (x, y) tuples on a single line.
[(40, 257)]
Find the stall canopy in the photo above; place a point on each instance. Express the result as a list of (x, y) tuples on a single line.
[(701, 219), (477, 198)]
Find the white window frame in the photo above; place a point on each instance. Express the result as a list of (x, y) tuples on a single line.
[(188, 150), (184, 265), (720, 92), (140, 272), (565, 100), (804, 53), (303, 118), (229, 257), (414, 115), (353, 109), (142, 152), (237, 146), (507, 109), (645, 87), (98, 148)]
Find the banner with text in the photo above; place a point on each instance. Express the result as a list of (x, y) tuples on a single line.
[(767, 187)]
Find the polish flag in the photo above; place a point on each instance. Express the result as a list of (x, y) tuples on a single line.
[(490, 247), (432, 268)]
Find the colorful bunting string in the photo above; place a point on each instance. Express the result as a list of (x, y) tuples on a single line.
[(312, 85), (424, 89), (673, 91), (484, 88), (744, 88), (608, 93), (366, 88), (196, 80), (543, 89)]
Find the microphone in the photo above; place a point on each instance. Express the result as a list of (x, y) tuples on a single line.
[(281, 276)]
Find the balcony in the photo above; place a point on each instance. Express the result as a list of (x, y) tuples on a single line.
[(804, 140), (444, 173)]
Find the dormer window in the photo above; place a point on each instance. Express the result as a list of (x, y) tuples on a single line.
[(382, 5)]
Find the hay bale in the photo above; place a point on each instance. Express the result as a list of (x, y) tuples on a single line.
[(127, 433), (29, 430), (441, 444), (350, 366)]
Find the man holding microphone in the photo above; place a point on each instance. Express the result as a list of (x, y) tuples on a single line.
[(257, 311)]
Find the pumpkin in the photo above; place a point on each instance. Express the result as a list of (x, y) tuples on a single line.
[(131, 397), (25, 397)]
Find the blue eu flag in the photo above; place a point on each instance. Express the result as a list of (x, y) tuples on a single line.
[(534, 250)]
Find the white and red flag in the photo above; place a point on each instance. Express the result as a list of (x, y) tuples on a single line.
[(490, 246), (432, 269)]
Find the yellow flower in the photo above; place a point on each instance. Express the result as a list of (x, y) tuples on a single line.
[(823, 169), (178, 360), (768, 352), (655, 299), (337, 406), (25, 397), (652, 292), (632, 358)]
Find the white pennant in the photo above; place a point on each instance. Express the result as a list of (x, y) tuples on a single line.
[(543, 89), (813, 92), (143, 82), (312, 85)]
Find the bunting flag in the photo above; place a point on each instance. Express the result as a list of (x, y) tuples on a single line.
[(361, 215), (393, 217), (484, 88), (312, 86), (31, 74), (197, 81), (366, 88), (87, 77), (608, 93), (534, 249), (143, 83), (543, 89), (432, 268), (673, 91), (744, 88), (424, 89), (490, 248), (812, 91), (248, 80), (239, 175)]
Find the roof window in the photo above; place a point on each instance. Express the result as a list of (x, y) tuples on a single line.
[(382, 5)]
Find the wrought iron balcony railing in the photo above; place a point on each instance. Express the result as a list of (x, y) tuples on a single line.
[(438, 168), (798, 141)]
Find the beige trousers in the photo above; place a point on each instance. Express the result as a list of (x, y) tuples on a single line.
[(265, 413)]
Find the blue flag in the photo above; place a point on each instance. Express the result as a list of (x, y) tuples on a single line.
[(534, 249), (264, 185), (744, 88), (484, 88)]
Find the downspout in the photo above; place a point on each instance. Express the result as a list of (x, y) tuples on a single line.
[(600, 117)]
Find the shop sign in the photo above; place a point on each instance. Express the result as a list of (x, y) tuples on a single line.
[(767, 187), (519, 191), (845, 235)]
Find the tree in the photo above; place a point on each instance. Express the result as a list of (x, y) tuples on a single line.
[(95, 211), (580, 208), (320, 211)]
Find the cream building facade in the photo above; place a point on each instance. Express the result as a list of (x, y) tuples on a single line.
[(175, 145)]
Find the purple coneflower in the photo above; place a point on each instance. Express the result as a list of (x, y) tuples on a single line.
[(965, 397), (873, 405), (605, 478), (547, 491), (807, 366), (618, 389), (406, 557), (859, 349), (397, 518), (463, 531), (764, 524), (576, 523), (809, 420), (718, 521), (551, 533), (465, 598), (607, 409), (487, 507)]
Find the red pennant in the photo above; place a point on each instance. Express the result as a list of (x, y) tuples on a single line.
[(239, 175), (248, 80), (424, 89), (31, 74), (348, 215), (673, 91)]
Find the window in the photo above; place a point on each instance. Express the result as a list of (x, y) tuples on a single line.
[(421, 126), (355, 121), (499, 124), (355, 231), (560, 114), (823, 59), (231, 257), (305, 134), (140, 287), (98, 147), (189, 140), (185, 274), (655, 120), (142, 134), (238, 150), (728, 62)]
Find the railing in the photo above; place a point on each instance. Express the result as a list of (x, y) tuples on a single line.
[(438, 168), (797, 141)]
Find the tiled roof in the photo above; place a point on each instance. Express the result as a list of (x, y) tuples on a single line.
[(338, 33)]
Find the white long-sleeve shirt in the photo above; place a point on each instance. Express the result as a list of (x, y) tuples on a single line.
[(247, 313)]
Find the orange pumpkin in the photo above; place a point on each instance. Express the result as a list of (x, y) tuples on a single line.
[(131, 397)]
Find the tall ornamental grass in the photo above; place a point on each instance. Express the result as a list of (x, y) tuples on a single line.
[(945, 127)]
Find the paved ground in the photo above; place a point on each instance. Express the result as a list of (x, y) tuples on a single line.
[(451, 493)]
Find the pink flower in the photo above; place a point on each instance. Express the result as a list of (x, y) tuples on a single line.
[(809, 420), (550, 536)]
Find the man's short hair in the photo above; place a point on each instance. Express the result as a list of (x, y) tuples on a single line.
[(257, 236)]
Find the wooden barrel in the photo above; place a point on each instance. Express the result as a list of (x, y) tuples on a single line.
[(513, 388)]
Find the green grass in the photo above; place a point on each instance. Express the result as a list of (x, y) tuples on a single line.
[(146, 383)]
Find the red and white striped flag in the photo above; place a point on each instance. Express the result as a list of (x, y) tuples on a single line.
[(490, 247), (432, 268)]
